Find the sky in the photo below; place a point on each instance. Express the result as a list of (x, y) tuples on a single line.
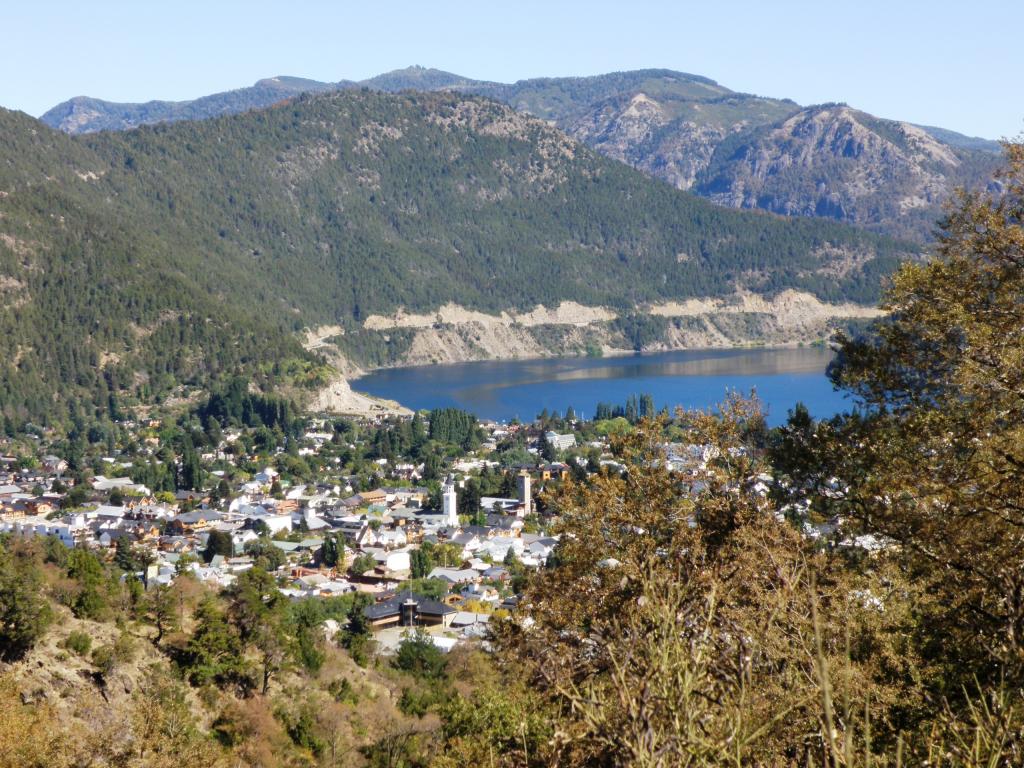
[(951, 64)]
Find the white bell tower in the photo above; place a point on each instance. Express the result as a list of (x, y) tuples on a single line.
[(449, 502)]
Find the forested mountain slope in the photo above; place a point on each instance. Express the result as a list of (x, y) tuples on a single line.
[(133, 260), (739, 149)]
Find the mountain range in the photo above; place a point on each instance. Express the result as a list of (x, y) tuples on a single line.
[(135, 262), (736, 149)]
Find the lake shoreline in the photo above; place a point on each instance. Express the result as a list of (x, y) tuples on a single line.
[(609, 354), (520, 388)]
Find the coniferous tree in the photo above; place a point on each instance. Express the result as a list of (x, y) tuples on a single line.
[(25, 613)]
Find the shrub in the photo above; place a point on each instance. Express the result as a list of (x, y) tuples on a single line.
[(104, 660), (341, 690), (79, 642)]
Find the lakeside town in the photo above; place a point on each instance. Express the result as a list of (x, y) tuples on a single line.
[(431, 522)]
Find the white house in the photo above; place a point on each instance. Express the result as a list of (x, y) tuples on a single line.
[(266, 476), (391, 539), (39, 526), (560, 442), (390, 560), (499, 546)]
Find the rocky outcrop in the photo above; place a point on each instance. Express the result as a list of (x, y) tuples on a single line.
[(740, 150), (455, 334), (837, 162)]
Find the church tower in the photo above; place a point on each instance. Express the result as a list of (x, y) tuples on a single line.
[(523, 491), (449, 502)]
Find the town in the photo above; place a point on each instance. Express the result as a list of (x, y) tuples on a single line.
[(430, 522)]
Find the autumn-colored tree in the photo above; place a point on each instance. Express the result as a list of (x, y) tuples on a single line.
[(164, 730), (933, 462), (30, 736), (686, 623)]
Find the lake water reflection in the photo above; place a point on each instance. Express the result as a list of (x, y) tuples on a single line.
[(509, 389)]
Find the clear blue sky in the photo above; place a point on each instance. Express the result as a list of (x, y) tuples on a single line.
[(938, 62)]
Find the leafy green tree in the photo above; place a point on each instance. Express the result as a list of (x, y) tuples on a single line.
[(469, 499), (332, 551), (191, 472), (362, 564), (548, 452), (161, 610), (184, 563), (421, 563), (646, 409), (418, 656), (257, 609), (668, 571), (77, 496), (266, 556), (124, 556), (431, 467), (356, 637), (307, 618), (930, 465), (218, 543)]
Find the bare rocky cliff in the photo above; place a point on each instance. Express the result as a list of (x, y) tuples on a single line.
[(836, 162)]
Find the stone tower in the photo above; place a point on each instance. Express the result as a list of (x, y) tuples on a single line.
[(523, 491)]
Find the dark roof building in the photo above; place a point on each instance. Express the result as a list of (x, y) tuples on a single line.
[(409, 610)]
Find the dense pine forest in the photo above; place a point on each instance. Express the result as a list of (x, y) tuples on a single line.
[(135, 262)]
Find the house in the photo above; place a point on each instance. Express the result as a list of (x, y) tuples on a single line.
[(409, 610), (39, 526), (481, 592), (499, 546), (560, 442), (454, 575), (109, 538), (196, 498), (391, 539), (541, 548), (390, 561), (101, 483), (55, 465), (556, 470), (357, 531), (469, 541), (309, 520), (367, 498), (499, 505), (497, 573), (275, 523), (469, 618), (266, 476), (189, 522)]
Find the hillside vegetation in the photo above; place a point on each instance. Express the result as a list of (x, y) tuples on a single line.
[(133, 262), (739, 149)]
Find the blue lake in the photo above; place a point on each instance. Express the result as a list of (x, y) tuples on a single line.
[(503, 390)]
